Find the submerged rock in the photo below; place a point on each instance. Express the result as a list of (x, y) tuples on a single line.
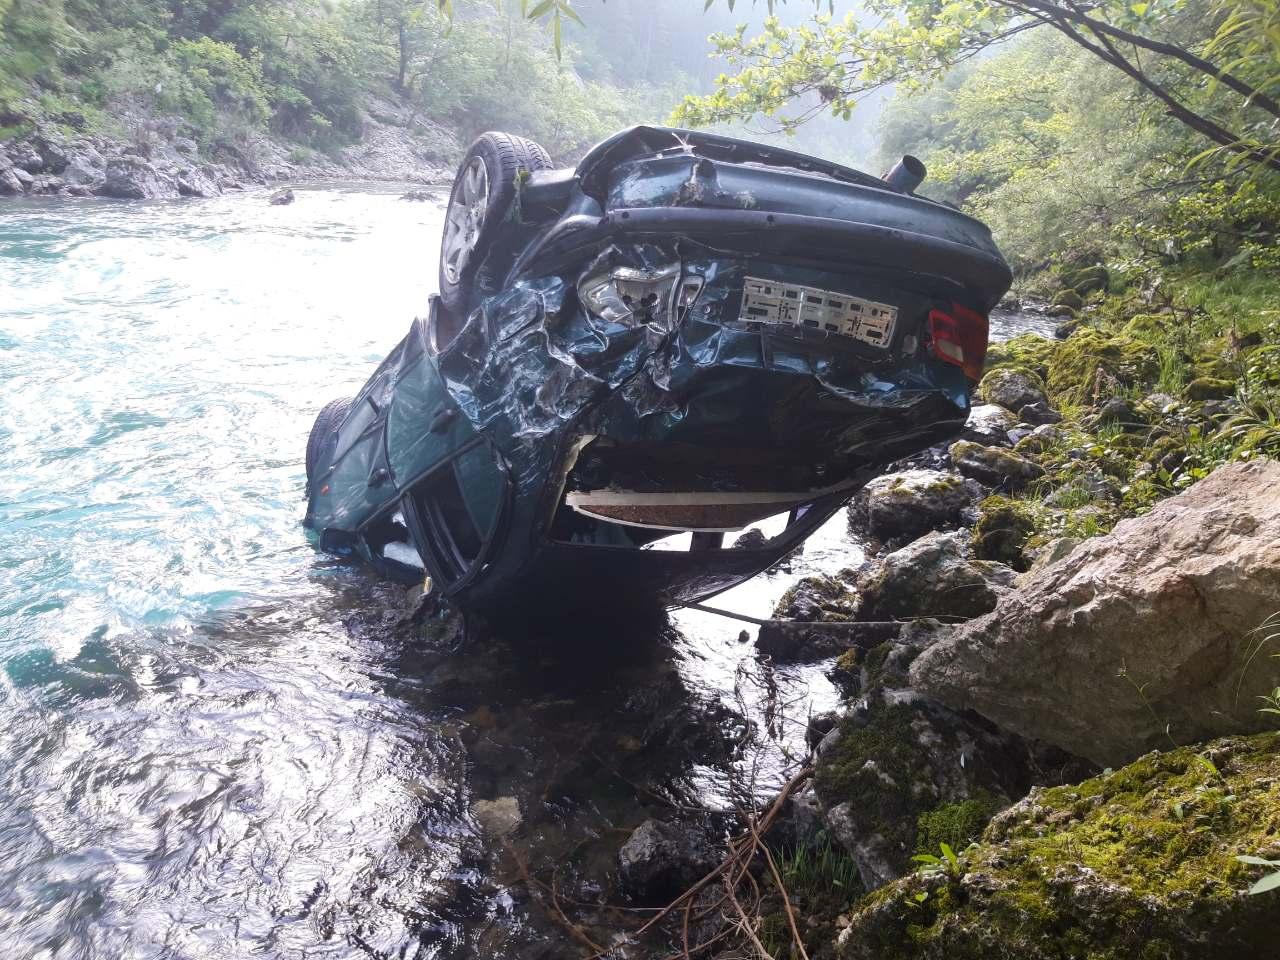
[(282, 197), (1140, 862), (498, 818), (1156, 630), (899, 507), (661, 860)]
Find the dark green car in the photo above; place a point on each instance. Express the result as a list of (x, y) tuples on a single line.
[(685, 334)]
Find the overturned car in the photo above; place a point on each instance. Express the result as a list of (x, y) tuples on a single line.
[(684, 335)]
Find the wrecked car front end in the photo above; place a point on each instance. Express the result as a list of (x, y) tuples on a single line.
[(690, 335)]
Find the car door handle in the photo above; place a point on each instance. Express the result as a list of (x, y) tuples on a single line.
[(440, 422)]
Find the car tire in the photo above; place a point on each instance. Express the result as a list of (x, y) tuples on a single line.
[(480, 206), (324, 430)]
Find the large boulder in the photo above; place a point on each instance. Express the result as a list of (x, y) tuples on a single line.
[(899, 507), (931, 577), (133, 178), (1154, 632), (10, 183)]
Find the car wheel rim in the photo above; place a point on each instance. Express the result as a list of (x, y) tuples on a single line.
[(465, 218)]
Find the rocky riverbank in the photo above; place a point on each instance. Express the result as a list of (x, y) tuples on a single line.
[(146, 157), (1091, 573)]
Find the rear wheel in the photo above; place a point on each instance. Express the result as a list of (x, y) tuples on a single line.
[(484, 195), (325, 431)]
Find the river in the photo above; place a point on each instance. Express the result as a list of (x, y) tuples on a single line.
[(216, 743)]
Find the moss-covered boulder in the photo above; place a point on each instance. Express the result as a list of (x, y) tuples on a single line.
[(1004, 526), (1086, 280), (933, 576), (1012, 387), (898, 507), (1093, 366), (1210, 388), (1068, 298), (994, 466), (1136, 864), (1029, 350)]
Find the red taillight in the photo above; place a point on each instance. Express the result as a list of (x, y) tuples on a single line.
[(960, 338)]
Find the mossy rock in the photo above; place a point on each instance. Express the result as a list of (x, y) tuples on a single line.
[(1086, 280), (1210, 388), (1012, 386), (1070, 299), (1028, 350), (1093, 366), (1151, 327), (1004, 526), (955, 824), (1136, 863)]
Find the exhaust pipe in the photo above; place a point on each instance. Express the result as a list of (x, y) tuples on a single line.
[(907, 174)]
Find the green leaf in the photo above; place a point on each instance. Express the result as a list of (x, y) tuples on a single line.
[(1269, 882), (1258, 861), (541, 9), (1138, 8)]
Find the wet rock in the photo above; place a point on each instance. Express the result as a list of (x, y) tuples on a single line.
[(1110, 863), (417, 195), (816, 599), (899, 507), (751, 539), (498, 818), (195, 182), (133, 178), (1136, 636), (994, 466), (46, 184), (989, 424), (25, 180), (661, 860), (282, 197), (1039, 413), (1012, 387), (931, 577)]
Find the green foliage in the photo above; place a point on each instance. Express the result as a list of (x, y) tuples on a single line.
[(955, 825)]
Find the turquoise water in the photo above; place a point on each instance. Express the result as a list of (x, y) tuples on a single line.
[(199, 755), (214, 742)]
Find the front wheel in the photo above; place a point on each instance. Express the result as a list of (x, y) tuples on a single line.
[(323, 432), (480, 205)]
